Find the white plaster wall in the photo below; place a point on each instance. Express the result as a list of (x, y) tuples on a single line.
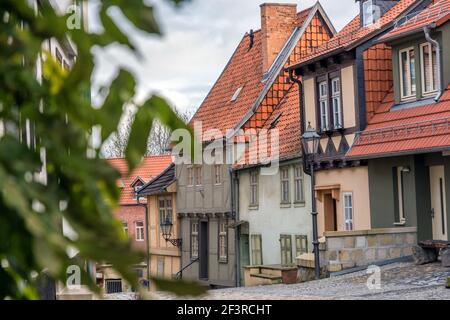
[(271, 219)]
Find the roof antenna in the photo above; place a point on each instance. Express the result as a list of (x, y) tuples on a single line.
[(252, 39)]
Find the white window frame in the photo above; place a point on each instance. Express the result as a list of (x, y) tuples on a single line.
[(190, 176), (401, 196), (336, 102), (422, 69), (198, 176), (194, 239), (223, 241), (254, 187), (217, 174), (165, 210), (139, 231), (348, 219), (402, 85), (366, 5), (299, 184), (285, 184), (323, 106)]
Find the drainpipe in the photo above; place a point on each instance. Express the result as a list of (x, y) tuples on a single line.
[(426, 30), (147, 243), (302, 115), (235, 215)]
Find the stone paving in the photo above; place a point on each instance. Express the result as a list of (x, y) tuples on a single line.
[(404, 281)]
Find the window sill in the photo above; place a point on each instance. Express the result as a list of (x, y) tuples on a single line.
[(223, 261), (253, 208), (400, 224), (285, 205), (299, 204)]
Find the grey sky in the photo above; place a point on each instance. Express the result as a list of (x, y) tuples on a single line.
[(199, 39)]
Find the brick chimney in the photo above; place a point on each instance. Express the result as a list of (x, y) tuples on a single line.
[(277, 24)]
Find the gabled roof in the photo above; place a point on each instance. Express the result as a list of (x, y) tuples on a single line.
[(436, 14), (245, 69), (151, 167), (353, 34), (160, 183), (286, 119), (405, 131)]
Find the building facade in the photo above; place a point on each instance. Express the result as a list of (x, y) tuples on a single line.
[(165, 256)]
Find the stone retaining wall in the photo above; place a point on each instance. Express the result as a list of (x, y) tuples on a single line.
[(345, 250)]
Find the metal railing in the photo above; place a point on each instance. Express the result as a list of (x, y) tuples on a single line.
[(179, 274)]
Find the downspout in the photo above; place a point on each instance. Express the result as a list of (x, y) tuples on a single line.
[(235, 216), (426, 30), (302, 115)]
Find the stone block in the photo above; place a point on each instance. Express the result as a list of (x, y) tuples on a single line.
[(400, 239), (382, 254), (386, 240), (344, 256), (332, 255), (411, 238), (361, 242), (349, 242), (445, 257), (335, 243), (370, 254), (372, 241), (358, 255), (348, 265), (395, 252), (424, 256), (334, 267)]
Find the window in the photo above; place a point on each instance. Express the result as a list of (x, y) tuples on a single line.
[(286, 249), (217, 174), (323, 103), (298, 184), (113, 286), (285, 192), (398, 180), (256, 250), (368, 13), (254, 188), (165, 209), (198, 176), (190, 176), (336, 102), (408, 73), (194, 239), (301, 245), (348, 211), (236, 94), (223, 239), (428, 68), (125, 227), (139, 225)]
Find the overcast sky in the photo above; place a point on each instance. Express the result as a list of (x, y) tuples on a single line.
[(199, 39)]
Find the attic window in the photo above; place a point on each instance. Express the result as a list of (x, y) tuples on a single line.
[(368, 12), (236, 94)]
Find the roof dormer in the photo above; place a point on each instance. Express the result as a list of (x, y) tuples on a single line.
[(372, 10)]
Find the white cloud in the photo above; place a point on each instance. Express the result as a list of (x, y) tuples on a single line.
[(199, 39)]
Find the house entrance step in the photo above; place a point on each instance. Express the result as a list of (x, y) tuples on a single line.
[(266, 276)]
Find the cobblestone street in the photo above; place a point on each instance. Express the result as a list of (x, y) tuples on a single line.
[(404, 281)]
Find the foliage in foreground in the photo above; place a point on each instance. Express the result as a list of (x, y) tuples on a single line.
[(79, 186)]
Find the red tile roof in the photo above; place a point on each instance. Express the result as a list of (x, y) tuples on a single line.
[(288, 126), (245, 69), (151, 167), (353, 32), (438, 13), (413, 130)]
